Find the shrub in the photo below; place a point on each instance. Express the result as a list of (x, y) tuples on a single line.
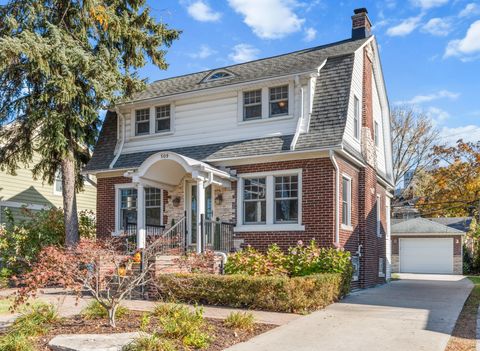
[(16, 342), (271, 293), (150, 343), (198, 262), (240, 321), (22, 240), (300, 260), (178, 322), (95, 310)]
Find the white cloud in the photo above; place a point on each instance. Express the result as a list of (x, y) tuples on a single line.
[(204, 52), (438, 26), (428, 4), (269, 19), (437, 114), (466, 47), (405, 27), (470, 10), (243, 52), (469, 133), (441, 94), (202, 12), (310, 34)]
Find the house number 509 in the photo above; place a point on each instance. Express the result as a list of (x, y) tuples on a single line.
[(163, 155)]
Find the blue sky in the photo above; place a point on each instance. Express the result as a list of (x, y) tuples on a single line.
[(430, 49)]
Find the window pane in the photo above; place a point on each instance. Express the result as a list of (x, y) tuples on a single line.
[(142, 115), (128, 218), (286, 210), (153, 216), (345, 189), (153, 197), (254, 188), (252, 112), (143, 128), (128, 198), (279, 108), (252, 97), (279, 93), (345, 213), (163, 125), (163, 111), (286, 187), (255, 211)]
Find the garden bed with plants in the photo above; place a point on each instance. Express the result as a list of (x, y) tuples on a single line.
[(303, 279), (171, 327)]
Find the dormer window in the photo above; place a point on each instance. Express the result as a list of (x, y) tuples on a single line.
[(218, 75), (279, 101), (142, 121), (162, 118)]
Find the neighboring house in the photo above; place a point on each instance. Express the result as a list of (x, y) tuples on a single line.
[(288, 148), (22, 191), (429, 245)]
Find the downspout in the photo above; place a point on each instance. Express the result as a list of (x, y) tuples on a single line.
[(337, 196), (299, 122), (122, 141)]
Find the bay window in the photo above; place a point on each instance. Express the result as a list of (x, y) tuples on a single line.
[(270, 201)]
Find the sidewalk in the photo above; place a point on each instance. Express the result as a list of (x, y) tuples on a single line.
[(69, 306)]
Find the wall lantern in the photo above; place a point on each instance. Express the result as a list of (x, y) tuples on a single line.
[(219, 199), (176, 201)]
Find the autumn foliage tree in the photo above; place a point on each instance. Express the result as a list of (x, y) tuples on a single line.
[(61, 61), (92, 268), (452, 187)]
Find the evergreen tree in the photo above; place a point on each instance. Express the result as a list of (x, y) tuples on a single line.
[(60, 63)]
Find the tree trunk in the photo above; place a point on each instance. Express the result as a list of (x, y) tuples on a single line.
[(112, 311), (69, 201)]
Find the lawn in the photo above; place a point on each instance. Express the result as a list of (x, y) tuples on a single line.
[(4, 306), (464, 335)]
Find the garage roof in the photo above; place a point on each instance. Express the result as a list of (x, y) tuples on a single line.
[(418, 226)]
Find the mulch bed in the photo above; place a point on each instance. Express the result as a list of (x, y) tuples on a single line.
[(223, 336), (464, 336)]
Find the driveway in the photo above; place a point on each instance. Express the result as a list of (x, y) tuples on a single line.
[(417, 312)]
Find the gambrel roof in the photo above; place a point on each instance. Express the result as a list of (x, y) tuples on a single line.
[(327, 122)]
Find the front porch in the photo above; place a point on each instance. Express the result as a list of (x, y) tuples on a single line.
[(176, 204)]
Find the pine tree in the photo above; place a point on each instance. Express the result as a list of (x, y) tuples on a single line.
[(60, 63)]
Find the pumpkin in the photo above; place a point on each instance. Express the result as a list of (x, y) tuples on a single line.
[(137, 258), (122, 271)]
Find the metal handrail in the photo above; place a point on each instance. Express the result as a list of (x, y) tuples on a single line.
[(173, 239)]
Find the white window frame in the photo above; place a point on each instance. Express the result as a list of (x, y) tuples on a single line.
[(266, 103), (356, 117), (153, 120), (347, 226), (379, 216), (270, 115), (162, 118), (119, 187), (146, 121), (254, 104), (270, 224), (58, 175)]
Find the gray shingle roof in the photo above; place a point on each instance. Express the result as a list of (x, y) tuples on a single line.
[(291, 63), (423, 226), (327, 123)]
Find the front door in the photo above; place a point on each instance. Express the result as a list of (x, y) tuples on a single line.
[(192, 210)]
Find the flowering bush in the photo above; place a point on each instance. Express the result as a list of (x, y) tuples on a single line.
[(299, 260)]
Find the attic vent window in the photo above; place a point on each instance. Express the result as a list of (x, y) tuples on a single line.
[(219, 75)]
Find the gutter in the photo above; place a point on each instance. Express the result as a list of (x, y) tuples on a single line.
[(122, 141), (299, 123), (337, 195)]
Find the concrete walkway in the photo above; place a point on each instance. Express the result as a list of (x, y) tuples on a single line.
[(416, 313), (68, 306)]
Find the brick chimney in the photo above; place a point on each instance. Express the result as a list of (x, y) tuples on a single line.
[(361, 25)]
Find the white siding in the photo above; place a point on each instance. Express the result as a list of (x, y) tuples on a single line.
[(211, 119), (377, 117), (355, 90)]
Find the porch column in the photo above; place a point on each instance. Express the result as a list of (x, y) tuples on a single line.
[(141, 233), (200, 213)]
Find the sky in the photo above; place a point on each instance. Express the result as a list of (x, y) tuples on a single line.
[(430, 49)]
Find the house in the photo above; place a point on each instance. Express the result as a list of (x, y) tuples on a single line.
[(429, 245), (286, 148), (22, 191)]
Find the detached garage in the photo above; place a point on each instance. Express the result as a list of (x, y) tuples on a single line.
[(422, 245)]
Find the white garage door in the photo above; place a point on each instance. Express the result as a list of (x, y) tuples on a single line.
[(426, 255)]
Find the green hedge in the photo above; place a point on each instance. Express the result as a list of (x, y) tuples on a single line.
[(271, 293)]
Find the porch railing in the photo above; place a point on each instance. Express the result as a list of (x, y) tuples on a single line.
[(217, 235), (172, 241)]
